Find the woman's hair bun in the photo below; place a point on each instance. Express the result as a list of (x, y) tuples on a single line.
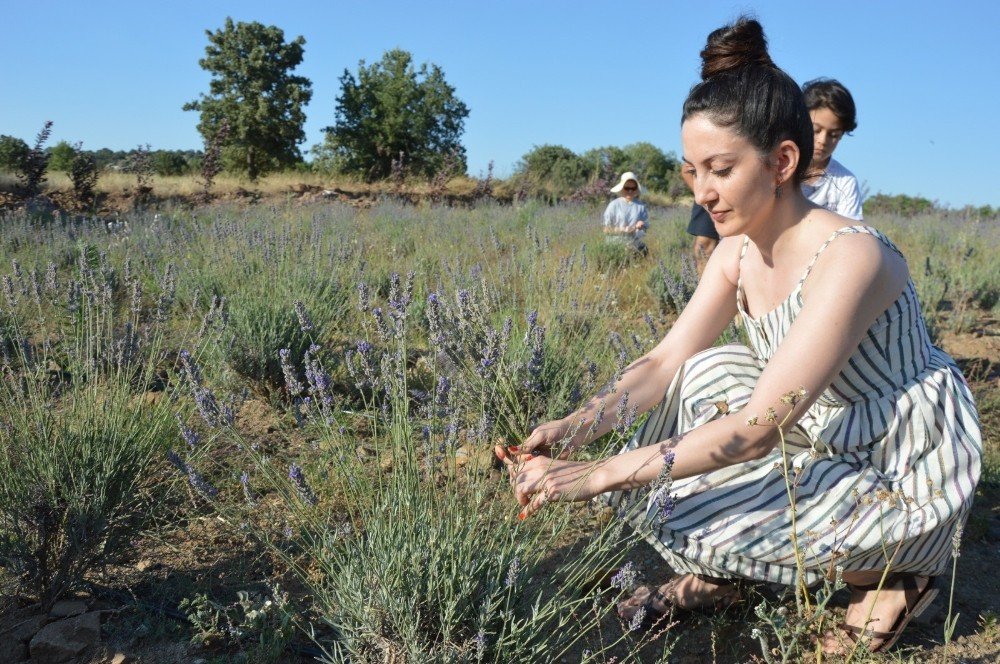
[(740, 44)]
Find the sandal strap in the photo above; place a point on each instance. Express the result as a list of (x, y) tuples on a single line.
[(911, 590)]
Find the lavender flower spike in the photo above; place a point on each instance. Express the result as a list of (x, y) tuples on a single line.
[(301, 487), (305, 322)]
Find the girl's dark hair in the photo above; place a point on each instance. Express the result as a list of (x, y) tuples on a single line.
[(742, 89), (831, 93)]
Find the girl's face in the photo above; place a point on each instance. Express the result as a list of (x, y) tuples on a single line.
[(730, 178), (827, 132)]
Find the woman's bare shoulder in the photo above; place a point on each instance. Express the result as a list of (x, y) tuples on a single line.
[(728, 253)]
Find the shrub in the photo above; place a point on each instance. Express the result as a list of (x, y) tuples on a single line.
[(83, 174), (413, 558), (34, 165), (13, 153), (900, 204), (261, 327), (61, 156), (140, 164), (609, 256)]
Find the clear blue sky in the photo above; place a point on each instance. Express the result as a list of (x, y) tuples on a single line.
[(576, 73)]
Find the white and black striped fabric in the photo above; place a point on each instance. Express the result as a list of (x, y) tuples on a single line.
[(885, 462)]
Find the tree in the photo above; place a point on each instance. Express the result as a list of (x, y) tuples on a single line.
[(170, 162), (393, 108), (13, 153), (61, 157), (252, 89), (551, 170), (656, 169)]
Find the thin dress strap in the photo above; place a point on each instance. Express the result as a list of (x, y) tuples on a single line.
[(844, 231), (739, 277)]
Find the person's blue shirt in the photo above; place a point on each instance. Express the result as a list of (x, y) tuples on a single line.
[(622, 213)]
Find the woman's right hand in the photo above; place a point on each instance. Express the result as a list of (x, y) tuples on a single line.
[(546, 436)]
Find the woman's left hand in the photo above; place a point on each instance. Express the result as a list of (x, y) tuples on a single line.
[(541, 479)]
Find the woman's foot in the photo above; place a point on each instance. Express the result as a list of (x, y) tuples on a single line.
[(690, 592), (877, 617)]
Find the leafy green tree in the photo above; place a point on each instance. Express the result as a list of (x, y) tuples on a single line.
[(253, 89), (393, 108), (13, 153), (61, 157), (551, 169), (170, 162), (656, 169)]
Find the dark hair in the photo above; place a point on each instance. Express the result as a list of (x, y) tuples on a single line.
[(742, 89), (831, 93)]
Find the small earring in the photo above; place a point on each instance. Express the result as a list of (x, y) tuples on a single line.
[(777, 190)]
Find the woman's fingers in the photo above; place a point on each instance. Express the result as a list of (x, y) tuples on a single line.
[(536, 503)]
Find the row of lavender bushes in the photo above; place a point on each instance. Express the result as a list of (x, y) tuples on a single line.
[(392, 345)]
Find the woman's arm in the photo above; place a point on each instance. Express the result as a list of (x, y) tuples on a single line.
[(855, 280), (711, 308)]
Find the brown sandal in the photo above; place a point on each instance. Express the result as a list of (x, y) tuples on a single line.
[(917, 602)]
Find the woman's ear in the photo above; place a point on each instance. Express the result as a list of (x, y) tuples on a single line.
[(784, 160)]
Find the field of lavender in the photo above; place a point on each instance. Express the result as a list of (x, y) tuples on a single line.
[(264, 434)]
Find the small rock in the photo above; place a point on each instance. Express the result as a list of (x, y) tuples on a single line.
[(152, 398), (147, 565), (67, 608), (24, 630), (475, 456), (120, 658), (63, 640)]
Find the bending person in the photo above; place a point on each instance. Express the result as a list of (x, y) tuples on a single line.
[(626, 218), (878, 426)]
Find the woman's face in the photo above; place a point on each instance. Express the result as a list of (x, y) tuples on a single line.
[(630, 190), (827, 132), (731, 180)]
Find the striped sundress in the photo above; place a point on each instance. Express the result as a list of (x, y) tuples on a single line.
[(885, 461)]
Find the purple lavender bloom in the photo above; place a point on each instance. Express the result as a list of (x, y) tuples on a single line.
[(364, 298), (51, 285), (188, 434), (8, 292), (665, 505), (248, 492), (490, 352), (298, 479), (626, 577), (197, 482), (434, 319), (175, 459), (305, 322), (513, 570), (292, 383), (536, 362), (380, 325), (637, 619), (200, 484), (442, 391)]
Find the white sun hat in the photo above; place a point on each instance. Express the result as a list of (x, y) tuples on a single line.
[(626, 176)]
